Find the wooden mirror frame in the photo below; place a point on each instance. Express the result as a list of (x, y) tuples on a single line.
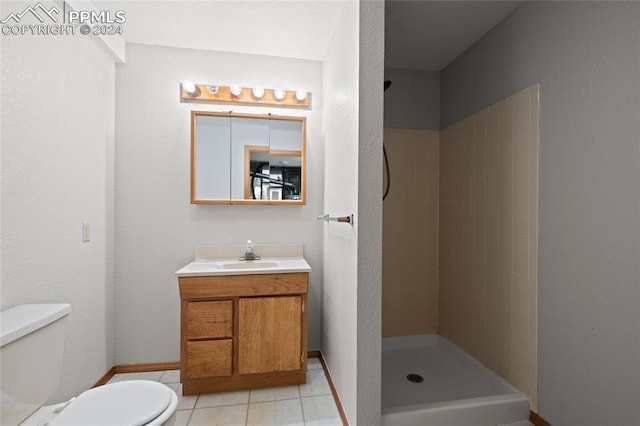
[(246, 184)]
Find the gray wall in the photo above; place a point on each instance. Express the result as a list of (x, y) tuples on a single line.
[(413, 100), (587, 58), (369, 214)]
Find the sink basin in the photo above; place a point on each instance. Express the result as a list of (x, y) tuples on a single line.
[(249, 264), (223, 260)]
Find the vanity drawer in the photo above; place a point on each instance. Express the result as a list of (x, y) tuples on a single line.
[(208, 358), (209, 320)]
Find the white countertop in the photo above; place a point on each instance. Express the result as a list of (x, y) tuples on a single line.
[(223, 260), (269, 265)]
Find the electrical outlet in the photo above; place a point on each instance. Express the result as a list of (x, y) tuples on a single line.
[(86, 232)]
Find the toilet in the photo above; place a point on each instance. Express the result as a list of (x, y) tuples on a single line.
[(31, 350)]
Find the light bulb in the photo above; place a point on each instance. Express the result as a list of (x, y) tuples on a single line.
[(279, 94), (189, 87), (235, 90), (258, 92), (301, 95)]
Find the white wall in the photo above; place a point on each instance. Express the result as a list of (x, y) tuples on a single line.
[(157, 228), (57, 112), (340, 81), (353, 74)]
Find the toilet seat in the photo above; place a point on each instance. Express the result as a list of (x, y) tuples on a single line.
[(132, 403)]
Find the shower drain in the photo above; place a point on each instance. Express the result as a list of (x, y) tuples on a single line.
[(415, 378)]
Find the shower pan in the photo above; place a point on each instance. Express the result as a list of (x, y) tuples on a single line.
[(427, 380)]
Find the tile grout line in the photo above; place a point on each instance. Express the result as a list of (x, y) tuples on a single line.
[(298, 396), (190, 415), (304, 420), (246, 417)]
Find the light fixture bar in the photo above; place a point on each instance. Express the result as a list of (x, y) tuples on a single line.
[(247, 95)]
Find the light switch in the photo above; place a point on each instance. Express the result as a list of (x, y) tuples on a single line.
[(86, 232)]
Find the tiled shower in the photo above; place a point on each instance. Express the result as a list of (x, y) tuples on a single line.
[(410, 234), (460, 236)]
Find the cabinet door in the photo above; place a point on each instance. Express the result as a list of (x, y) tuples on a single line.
[(269, 334), (207, 358)]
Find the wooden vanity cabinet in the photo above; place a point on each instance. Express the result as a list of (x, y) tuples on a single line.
[(243, 331)]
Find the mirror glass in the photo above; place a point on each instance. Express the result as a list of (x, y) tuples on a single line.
[(247, 159)]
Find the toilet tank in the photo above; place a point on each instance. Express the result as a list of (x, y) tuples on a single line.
[(31, 348)]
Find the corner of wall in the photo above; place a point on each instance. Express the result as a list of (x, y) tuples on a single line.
[(369, 294)]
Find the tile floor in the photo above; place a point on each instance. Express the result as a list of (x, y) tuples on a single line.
[(308, 404)]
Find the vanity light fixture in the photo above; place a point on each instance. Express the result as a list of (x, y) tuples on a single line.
[(235, 93), (235, 90), (189, 87), (279, 94), (258, 92), (301, 95)]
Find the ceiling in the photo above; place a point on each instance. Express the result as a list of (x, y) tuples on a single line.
[(428, 35), (292, 29), (419, 34)]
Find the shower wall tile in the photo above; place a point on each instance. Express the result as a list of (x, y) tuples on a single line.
[(488, 237), (410, 234)]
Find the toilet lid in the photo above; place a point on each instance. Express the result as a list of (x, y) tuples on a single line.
[(131, 403)]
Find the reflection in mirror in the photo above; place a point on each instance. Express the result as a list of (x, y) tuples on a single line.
[(246, 133), (285, 170), (214, 180), (247, 159), (256, 173), (285, 160)]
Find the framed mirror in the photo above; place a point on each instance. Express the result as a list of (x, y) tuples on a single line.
[(247, 159)]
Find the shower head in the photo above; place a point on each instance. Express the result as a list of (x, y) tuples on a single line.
[(387, 84)]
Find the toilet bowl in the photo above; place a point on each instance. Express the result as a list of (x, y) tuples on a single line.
[(135, 403), (31, 347)]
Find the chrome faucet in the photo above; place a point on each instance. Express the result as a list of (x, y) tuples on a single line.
[(249, 254)]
